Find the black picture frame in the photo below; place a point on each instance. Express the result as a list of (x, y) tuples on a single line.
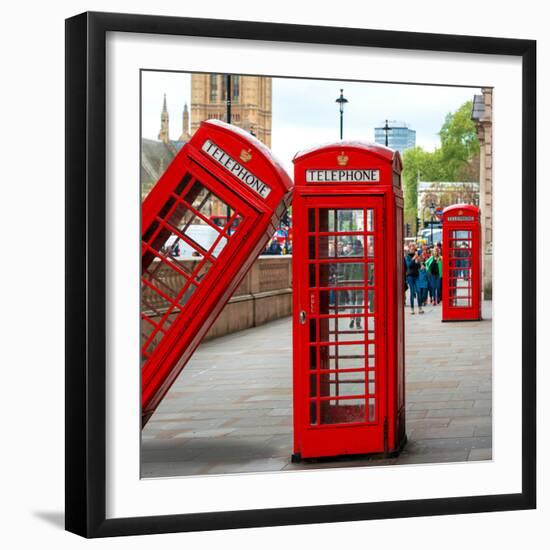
[(86, 279)]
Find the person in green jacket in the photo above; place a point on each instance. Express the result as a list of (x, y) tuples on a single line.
[(434, 267)]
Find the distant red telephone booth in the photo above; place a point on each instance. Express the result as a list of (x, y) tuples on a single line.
[(203, 225), (348, 337), (461, 263)]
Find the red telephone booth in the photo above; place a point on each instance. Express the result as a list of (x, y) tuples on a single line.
[(203, 225), (461, 263), (349, 387)]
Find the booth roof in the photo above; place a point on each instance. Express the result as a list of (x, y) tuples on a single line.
[(264, 149), (377, 149), (471, 207)]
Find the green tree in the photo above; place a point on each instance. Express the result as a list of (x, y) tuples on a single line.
[(419, 165), (456, 158), (459, 143)]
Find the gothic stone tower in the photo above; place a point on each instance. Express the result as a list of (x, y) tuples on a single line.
[(250, 106), (185, 125), (164, 134)]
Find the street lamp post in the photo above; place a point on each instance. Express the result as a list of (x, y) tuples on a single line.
[(432, 212), (386, 129), (228, 120), (228, 98), (341, 102)]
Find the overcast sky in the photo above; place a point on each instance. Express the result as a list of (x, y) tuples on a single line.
[(305, 112)]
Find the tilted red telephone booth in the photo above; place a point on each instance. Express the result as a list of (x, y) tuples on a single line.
[(348, 332), (461, 263), (203, 225)]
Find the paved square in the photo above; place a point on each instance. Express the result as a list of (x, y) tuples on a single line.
[(231, 408)]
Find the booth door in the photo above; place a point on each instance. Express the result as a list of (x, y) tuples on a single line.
[(342, 324), (183, 249), (462, 266)]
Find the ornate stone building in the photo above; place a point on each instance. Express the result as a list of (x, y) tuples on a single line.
[(482, 115), (250, 110), (250, 102)]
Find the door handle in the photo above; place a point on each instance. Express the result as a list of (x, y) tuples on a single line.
[(302, 317)]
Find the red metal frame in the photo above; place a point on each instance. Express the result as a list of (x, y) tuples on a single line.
[(222, 161), (461, 263), (348, 379)]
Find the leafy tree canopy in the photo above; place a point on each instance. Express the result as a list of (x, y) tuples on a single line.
[(459, 143), (450, 162)]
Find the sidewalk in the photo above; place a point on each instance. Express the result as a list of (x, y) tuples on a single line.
[(231, 408)]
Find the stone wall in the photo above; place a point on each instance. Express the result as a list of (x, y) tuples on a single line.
[(485, 136), (265, 294)]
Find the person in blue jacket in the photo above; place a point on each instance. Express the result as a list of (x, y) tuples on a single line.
[(422, 285)]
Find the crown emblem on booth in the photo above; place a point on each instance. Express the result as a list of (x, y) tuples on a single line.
[(246, 155), (342, 159), (460, 212)]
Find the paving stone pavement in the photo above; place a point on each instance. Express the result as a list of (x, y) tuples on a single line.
[(230, 410)]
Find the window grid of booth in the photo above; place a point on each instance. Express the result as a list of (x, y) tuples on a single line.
[(178, 251), (342, 264), (459, 262)]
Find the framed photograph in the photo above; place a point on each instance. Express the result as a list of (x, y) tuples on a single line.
[(282, 245)]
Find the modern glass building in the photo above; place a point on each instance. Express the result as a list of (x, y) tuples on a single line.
[(400, 136)]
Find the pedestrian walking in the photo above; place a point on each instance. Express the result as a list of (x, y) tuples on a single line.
[(274, 248), (412, 261), (422, 284), (426, 253), (434, 267)]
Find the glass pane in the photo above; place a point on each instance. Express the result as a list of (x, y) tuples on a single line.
[(370, 246), (370, 274), (341, 246), (312, 250), (217, 250), (181, 218), (342, 274), (235, 224), (460, 293), (462, 234), (342, 356), (201, 199), (312, 330), (346, 329), (165, 279), (312, 280), (311, 220), (370, 219), (153, 322), (202, 234), (370, 301), (343, 384), (342, 411), (341, 302), (344, 220), (372, 409), (371, 389), (202, 271), (370, 327), (173, 254), (313, 412), (313, 389), (312, 355), (335, 396)]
